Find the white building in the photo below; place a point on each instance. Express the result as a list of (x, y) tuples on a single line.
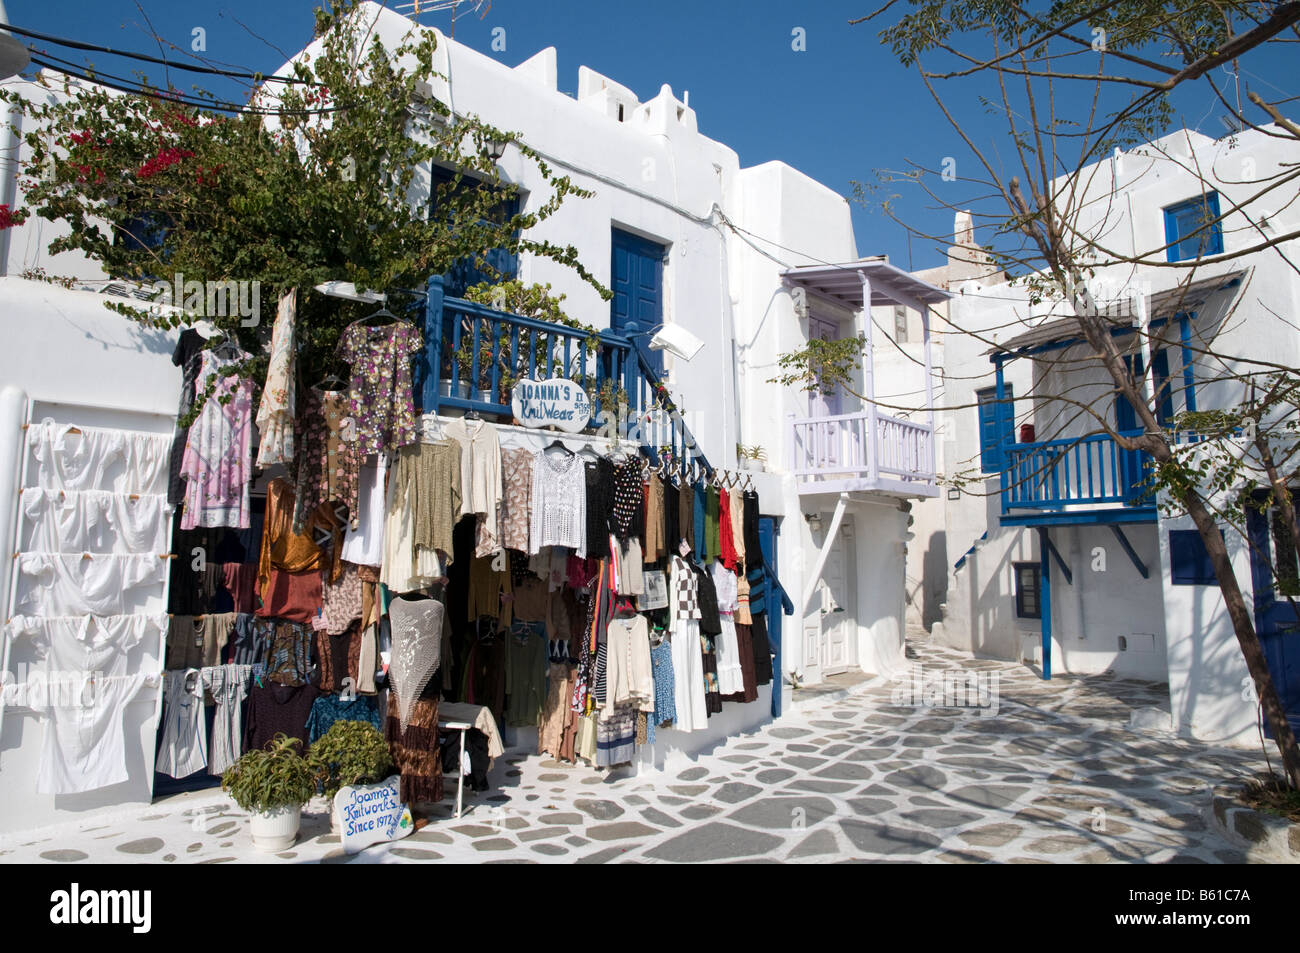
[(1120, 587), (688, 239)]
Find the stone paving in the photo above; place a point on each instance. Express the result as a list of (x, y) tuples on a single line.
[(1028, 772)]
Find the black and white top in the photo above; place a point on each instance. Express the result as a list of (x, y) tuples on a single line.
[(684, 599)]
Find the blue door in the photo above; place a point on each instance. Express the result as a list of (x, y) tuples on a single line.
[(1273, 570), (637, 282), (1132, 463)]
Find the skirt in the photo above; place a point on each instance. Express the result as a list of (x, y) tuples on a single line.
[(415, 750)]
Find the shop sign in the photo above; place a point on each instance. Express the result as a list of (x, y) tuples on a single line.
[(551, 403), (371, 813)]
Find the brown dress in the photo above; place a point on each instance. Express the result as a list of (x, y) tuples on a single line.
[(415, 750), (557, 712)]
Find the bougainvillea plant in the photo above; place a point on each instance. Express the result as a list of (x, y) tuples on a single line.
[(325, 179)]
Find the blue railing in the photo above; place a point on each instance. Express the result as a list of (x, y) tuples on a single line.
[(1087, 471), (473, 355)]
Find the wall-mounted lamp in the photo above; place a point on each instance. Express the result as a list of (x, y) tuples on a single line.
[(814, 521), (494, 149)]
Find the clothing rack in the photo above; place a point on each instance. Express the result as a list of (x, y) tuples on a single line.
[(19, 522)]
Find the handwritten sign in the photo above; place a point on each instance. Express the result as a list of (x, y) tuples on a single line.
[(372, 813), (551, 403)]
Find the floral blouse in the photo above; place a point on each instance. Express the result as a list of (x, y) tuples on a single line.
[(379, 399), (328, 467)]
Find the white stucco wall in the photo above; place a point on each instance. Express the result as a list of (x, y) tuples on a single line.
[(80, 363)]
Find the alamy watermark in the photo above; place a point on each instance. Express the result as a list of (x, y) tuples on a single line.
[(920, 687), (213, 299)]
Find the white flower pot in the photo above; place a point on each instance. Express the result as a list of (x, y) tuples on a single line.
[(276, 829), (758, 466)]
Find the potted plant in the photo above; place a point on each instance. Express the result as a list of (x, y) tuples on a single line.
[(751, 458), (272, 784), (350, 754)]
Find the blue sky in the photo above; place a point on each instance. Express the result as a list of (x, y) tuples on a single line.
[(839, 110)]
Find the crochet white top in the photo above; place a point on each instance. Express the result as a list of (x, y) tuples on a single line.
[(559, 504)]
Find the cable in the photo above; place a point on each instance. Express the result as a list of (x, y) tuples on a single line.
[(215, 105), (144, 57)]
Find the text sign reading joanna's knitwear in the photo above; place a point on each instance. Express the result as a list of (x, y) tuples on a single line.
[(371, 813), (551, 403)]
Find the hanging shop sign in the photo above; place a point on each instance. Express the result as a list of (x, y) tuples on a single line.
[(551, 403), (370, 813)]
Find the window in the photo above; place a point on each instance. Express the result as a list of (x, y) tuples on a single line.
[(1027, 595), (466, 273), (1189, 563), (996, 420), (1186, 232), (900, 324)]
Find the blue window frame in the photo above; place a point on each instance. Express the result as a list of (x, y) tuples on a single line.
[(466, 273), (1182, 222), (1189, 563), (997, 420)]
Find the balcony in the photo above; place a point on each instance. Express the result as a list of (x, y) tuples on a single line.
[(835, 455), (1071, 481), (474, 355)]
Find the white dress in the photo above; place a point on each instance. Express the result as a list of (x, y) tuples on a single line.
[(731, 678), (688, 657), (217, 463), (364, 545)]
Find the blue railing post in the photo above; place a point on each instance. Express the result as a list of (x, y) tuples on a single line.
[(432, 345)]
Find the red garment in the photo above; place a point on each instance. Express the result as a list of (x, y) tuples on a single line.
[(295, 596), (730, 558), (241, 581)]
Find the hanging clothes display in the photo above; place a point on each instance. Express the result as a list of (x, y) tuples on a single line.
[(184, 747), (417, 649), (559, 500), (189, 346), (217, 464), (688, 659), (327, 463), (379, 400), (228, 686), (275, 413), (516, 498), (363, 542), (423, 506)]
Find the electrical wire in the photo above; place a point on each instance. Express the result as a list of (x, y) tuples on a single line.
[(215, 105), (161, 61)]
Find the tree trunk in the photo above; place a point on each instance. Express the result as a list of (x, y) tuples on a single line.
[(1247, 638)]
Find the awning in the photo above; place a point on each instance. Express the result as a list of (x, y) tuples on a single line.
[(843, 283), (1161, 306)]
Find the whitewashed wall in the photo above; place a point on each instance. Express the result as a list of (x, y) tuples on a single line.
[(79, 363)]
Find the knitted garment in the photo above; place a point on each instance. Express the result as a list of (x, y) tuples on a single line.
[(417, 649), (559, 500)]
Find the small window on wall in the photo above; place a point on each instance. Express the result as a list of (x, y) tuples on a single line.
[(1189, 563), (1027, 594), (900, 324), (1188, 229)]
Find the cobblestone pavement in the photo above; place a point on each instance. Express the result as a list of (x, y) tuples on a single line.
[(1028, 772)]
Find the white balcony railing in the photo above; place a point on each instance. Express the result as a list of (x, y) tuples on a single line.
[(836, 449)]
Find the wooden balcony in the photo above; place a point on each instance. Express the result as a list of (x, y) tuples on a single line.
[(842, 454), (1084, 480)]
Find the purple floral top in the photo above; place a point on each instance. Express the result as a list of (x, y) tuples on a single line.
[(380, 396)]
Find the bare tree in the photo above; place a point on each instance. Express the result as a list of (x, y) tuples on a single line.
[(1067, 87)]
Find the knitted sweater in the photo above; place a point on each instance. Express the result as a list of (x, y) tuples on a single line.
[(559, 500)]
